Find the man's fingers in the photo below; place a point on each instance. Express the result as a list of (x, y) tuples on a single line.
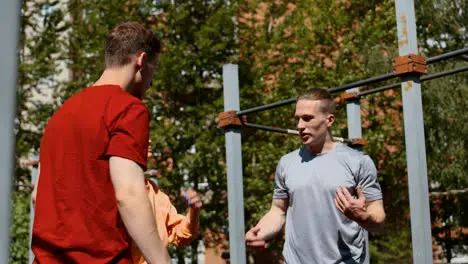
[(346, 193), (255, 230), (191, 199), (195, 199), (340, 196), (339, 206), (191, 192), (256, 243), (196, 202), (193, 196), (360, 194)]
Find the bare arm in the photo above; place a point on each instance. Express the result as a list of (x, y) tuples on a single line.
[(135, 209), (270, 224), (34, 192), (374, 218), (195, 204)]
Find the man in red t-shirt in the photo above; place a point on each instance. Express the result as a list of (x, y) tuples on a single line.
[(91, 189)]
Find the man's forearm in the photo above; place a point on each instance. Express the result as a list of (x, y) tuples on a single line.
[(271, 224), (143, 229), (194, 217), (373, 222)]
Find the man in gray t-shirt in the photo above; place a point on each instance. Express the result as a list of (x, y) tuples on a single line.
[(326, 193)]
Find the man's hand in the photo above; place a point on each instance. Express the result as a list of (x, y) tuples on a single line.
[(354, 209), (253, 240), (193, 199)]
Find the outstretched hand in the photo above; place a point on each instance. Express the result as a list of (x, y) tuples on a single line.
[(253, 240), (354, 209), (192, 198)]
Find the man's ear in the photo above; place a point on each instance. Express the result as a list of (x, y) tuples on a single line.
[(330, 120), (141, 60)]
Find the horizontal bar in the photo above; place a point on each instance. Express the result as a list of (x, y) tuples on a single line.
[(380, 89), (449, 192), (267, 106), (271, 129), (361, 83), (345, 87), (288, 131), (442, 74), (447, 55), (331, 90), (425, 78)]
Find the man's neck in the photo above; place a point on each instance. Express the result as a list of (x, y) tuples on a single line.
[(323, 148), (116, 76)]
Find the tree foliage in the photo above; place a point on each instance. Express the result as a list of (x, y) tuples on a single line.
[(282, 48)]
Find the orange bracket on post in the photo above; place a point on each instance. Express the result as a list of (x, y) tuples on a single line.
[(230, 119), (410, 63), (345, 97), (358, 142)]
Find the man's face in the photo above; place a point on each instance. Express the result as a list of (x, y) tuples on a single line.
[(311, 122)]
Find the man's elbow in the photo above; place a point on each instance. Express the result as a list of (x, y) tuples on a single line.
[(129, 195)]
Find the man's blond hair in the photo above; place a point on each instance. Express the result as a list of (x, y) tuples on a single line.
[(322, 95)]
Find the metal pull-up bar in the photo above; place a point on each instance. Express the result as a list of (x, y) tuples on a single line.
[(423, 79), (371, 80), (232, 118)]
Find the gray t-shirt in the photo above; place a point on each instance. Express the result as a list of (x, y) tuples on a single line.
[(316, 231)]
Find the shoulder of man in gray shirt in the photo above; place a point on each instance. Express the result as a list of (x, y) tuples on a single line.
[(358, 164)]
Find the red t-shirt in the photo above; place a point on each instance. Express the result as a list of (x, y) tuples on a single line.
[(76, 216)]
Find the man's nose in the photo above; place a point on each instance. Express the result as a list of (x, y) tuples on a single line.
[(300, 124)]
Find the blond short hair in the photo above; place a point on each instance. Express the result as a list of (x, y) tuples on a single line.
[(322, 95)]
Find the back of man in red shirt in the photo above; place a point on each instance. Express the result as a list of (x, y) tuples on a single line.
[(91, 187)]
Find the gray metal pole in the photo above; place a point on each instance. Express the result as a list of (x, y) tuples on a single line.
[(9, 28), (414, 138), (234, 168), (353, 115), (34, 173)]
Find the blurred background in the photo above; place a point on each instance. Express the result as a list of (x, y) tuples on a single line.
[(282, 48)]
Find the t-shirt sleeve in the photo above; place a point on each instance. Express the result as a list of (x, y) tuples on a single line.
[(280, 191), (129, 137), (367, 178)]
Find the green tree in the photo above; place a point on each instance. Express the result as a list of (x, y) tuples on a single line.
[(442, 28)]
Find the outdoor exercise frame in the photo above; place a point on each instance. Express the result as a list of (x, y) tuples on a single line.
[(413, 121), (408, 67)]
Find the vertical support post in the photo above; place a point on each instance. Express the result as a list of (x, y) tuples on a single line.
[(34, 174), (414, 138), (9, 27), (234, 168), (353, 116)]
